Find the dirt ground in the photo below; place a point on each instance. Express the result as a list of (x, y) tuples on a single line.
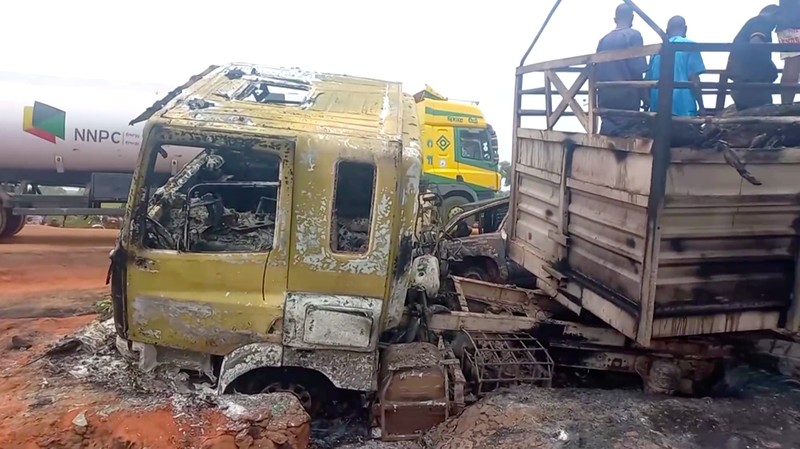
[(91, 397), (50, 280), (57, 271)]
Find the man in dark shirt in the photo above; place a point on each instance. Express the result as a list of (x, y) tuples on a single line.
[(788, 29), (750, 63), (625, 98)]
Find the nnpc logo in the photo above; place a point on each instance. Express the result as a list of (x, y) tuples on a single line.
[(44, 121)]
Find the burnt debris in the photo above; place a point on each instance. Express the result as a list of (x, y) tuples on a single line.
[(355, 186), (753, 135), (223, 200), (199, 103)]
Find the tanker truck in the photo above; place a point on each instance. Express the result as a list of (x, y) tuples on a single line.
[(66, 132), (74, 134)]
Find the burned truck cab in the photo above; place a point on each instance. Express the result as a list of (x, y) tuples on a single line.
[(285, 243)]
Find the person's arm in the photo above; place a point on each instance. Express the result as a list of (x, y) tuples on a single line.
[(696, 67), (761, 33), (638, 66)]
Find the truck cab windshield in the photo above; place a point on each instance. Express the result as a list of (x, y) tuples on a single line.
[(476, 144)]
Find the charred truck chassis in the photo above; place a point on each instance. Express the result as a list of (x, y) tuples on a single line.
[(251, 284), (670, 366), (301, 303)]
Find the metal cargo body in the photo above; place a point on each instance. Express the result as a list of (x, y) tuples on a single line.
[(655, 237), (724, 257)]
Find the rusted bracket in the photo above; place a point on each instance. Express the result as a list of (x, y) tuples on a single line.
[(456, 381), (561, 239), (561, 277), (462, 300)]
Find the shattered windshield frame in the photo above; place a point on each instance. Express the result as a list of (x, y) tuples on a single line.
[(225, 200)]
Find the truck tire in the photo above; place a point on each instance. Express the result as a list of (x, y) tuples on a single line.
[(452, 206), (20, 223), (5, 214), (10, 224), (476, 273)]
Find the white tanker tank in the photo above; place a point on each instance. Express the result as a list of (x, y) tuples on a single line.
[(70, 132)]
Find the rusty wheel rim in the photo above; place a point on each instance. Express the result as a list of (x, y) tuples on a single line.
[(299, 391)]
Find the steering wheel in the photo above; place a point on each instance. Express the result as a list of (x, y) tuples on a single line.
[(162, 233)]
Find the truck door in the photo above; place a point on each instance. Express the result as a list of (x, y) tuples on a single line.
[(438, 163), (206, 270)]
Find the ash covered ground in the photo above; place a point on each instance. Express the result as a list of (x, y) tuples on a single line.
[(578, 418), (758, 410)]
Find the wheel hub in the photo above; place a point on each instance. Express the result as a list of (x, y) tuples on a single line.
[(300, 392), (454, 211)]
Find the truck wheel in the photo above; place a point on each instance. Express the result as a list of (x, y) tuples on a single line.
[(477, 273), (5, 214), (19, 220), (10, 224), (451, 206)]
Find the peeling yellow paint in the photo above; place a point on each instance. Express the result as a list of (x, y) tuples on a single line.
[(217, 302)]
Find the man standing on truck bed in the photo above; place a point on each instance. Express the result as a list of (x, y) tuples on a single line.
[(752, 63), (688, 67), (788, 29), (624, 98)]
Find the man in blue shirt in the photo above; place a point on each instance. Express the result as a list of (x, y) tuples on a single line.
[(624, 98), (688, 66)]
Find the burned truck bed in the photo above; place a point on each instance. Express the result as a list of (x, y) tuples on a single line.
[(723, 253), (765, 127), (681, 226)]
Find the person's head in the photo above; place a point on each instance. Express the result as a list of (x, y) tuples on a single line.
[(676, 27), (623, 16), (770, 13)]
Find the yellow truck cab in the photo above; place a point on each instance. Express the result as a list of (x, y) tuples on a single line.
[(459, 151), (285, 243)]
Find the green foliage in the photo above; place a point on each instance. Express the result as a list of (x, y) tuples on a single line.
[(103, 307), (505, 172)]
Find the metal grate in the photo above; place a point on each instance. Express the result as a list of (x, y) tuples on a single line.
[(495, 360)]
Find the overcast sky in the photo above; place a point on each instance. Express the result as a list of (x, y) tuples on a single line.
[(466, 49)]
